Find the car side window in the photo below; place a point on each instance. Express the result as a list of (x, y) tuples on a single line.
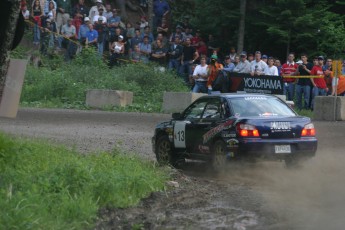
[(212, 110), (195, 110)]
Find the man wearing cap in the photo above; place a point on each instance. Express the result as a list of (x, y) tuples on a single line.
[(319, 84), (63, 10), (243, 66), (288, 69), (257, 66), (228, 65), (100, 26), (214, 68), (84, 28), (265, 58)]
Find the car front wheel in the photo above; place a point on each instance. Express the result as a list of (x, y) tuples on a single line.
[(164, 151)]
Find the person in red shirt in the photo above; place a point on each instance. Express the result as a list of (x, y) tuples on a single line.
[(319, 84), (288, 69)]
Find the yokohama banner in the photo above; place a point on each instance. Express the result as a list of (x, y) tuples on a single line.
[(256, 84)]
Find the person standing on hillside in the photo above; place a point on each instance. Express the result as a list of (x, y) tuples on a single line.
[(319, 84), (189, 55), (271, 70), (200, 76), (257, 66), (288, 69), (214, 68), (63, 12), (160, 9), (244, 65), (303, 86)]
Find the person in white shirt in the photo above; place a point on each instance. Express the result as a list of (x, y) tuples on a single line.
[(271, 69), (258, 66), (200, 76)]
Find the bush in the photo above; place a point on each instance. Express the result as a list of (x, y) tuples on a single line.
[(66, 86), (50, 187)]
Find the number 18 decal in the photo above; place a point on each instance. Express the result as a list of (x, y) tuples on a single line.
[(180, 134)]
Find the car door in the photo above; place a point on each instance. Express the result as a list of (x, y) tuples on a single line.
[(184, 128), (210, 117)]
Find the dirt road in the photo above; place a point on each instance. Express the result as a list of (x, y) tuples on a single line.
[(250, 196)]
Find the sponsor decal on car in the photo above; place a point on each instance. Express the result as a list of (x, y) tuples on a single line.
[(213, 132), (255, 98), (229, 135)]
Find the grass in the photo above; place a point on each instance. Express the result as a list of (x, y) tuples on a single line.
[(51, 187), (58, 84)]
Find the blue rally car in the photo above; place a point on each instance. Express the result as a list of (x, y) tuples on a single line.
[(222, 127)]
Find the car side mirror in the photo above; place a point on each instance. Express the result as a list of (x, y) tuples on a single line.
[(176, 116)]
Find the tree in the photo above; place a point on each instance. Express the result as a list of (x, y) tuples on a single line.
[(241, 27)]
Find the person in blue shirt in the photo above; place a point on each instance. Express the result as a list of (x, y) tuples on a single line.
[(91, 37), (228, 65), (83, 31)]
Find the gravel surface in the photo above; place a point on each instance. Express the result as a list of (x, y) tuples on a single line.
[(248, 196)]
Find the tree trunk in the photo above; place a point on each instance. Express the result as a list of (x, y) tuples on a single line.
[(150, 12), (9, 11), (241, 27), (288, 43), (123, 13)]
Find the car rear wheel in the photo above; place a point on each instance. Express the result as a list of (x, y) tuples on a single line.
[(219, 155), (164, 152)]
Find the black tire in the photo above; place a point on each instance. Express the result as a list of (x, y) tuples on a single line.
[(164, 152), (219, 159)]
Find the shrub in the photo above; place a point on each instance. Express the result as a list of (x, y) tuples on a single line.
[(66, 86)]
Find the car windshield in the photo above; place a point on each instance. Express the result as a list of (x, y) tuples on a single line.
[(259, 106)]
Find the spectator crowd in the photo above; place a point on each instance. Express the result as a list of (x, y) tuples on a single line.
[(59, 25)]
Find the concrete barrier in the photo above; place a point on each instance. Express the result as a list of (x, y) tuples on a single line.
[(13, 88), (324, 108), (178, 101), (100, 98)]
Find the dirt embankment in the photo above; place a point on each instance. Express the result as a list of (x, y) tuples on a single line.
[(247, 196)]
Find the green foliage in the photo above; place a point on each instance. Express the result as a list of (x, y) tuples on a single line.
[(50, 187), (66, 86)]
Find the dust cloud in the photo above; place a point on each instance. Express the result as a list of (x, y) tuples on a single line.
[(311, 197)]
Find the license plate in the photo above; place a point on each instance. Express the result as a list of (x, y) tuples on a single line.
[(282, 149)]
